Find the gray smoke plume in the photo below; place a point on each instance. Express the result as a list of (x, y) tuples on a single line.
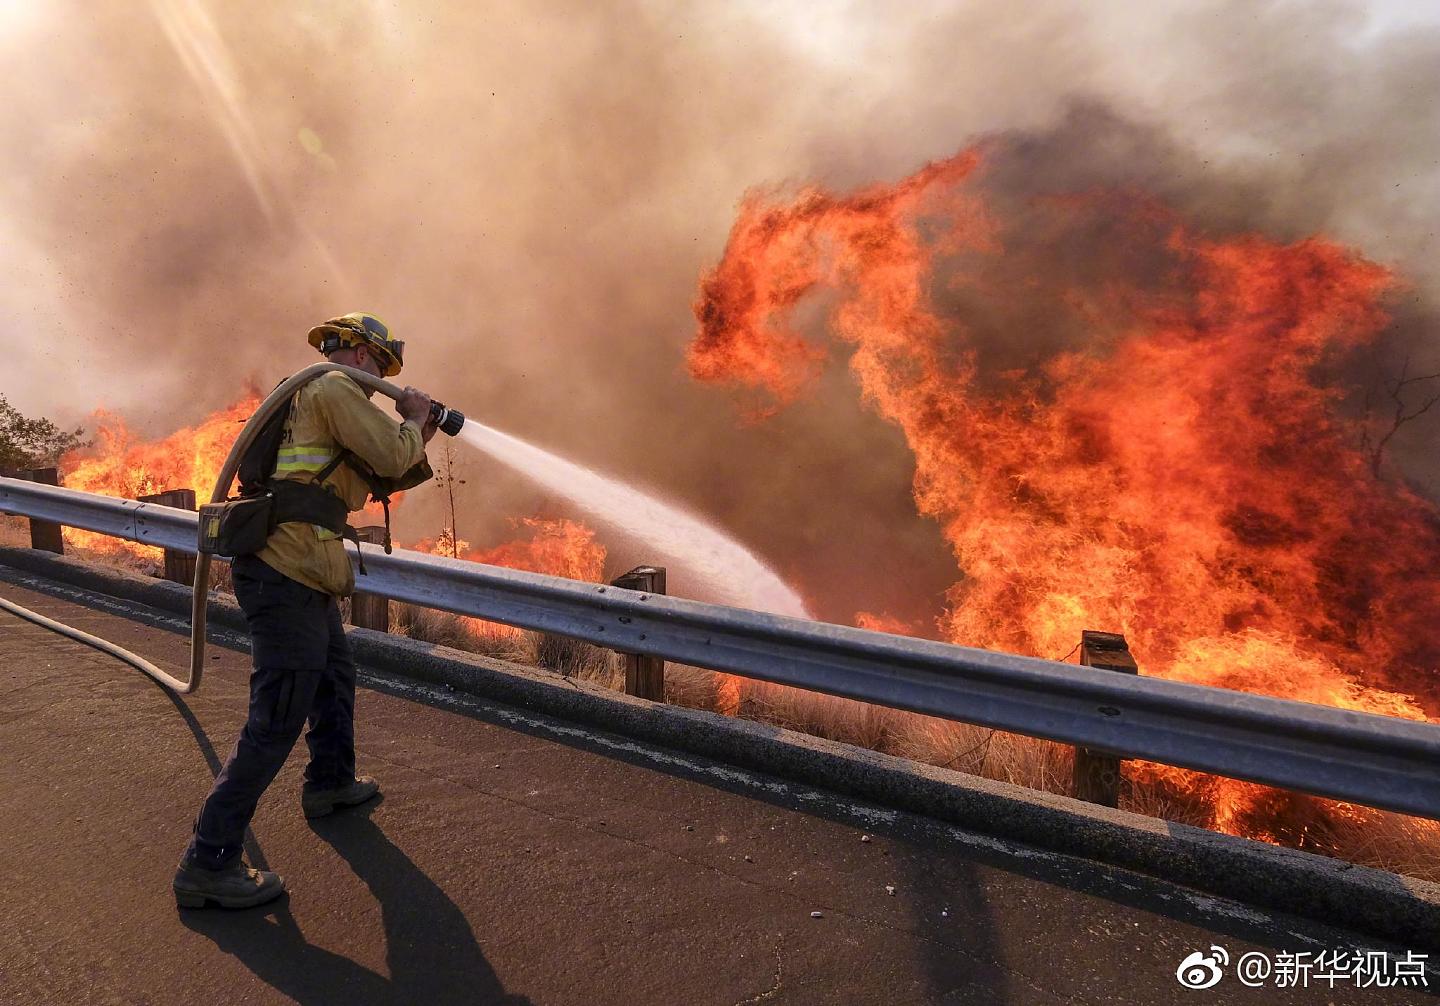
[(528, 193)]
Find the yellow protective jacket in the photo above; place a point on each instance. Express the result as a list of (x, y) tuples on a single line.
[(330, 413)]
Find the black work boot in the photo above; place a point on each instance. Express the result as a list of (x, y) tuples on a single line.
[(317, 802), (237, 886)]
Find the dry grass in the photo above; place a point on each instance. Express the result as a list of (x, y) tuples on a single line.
[(14, 532), (993, 754), (1408, 845), (142, 561), (570, 657), (578, 659), (459, 632), (690, 687), (220, 577), (1154, 801), (836, 719)]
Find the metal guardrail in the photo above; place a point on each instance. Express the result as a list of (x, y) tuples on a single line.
[(1378, 761)]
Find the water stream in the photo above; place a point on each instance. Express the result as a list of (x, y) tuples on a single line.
[(713, 566)]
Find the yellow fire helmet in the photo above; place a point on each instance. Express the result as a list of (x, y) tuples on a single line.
[(360, 328)]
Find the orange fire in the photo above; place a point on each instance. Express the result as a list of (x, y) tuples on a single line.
[(556, 547), (883, 623), (1119, 423), (121, 464)]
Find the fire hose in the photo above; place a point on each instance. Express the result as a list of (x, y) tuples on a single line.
[(103, 645), (448, 420)]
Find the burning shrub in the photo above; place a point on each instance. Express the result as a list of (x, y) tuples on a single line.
[(1120, 421)]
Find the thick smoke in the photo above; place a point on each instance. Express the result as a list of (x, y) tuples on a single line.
[(529, 194)]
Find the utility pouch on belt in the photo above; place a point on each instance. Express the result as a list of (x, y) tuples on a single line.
[(236, 527), (242, 526)]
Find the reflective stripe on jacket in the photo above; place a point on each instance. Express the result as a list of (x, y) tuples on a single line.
[(332, 413), (303, 459)]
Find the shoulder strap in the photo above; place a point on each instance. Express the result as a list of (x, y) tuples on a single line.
[(341, 458), (378, 491)]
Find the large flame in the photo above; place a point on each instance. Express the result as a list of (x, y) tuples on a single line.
[(120, 463), (558, 547), (1175, 468)]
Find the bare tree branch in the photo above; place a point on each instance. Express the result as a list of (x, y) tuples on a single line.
[(1402, 414)]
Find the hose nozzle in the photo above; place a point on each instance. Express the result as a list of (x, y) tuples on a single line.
[(447, 420)]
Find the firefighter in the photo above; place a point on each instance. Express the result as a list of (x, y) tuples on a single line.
[(334, 442)]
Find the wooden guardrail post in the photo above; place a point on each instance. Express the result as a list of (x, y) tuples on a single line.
[(1097, 773), (179, 567), (44, 534), (644, 675), (370, 611)]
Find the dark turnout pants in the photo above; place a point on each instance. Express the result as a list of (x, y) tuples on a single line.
[(303, 672)]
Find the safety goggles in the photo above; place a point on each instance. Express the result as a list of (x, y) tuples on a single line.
[(372, 334)]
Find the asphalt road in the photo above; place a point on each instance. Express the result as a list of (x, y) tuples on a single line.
[(520, 859)]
